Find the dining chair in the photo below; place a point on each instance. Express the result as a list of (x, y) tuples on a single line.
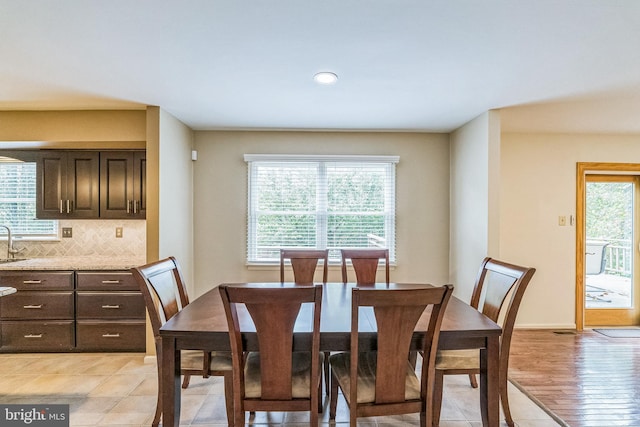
[(165, 294), (276, 377), (365, 264), (496, 280), (304, 263), (381, 381)]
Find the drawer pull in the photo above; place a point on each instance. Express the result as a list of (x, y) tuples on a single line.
[(110, 335), (31, 282), (33, 336), (110, 282), (32, 307), (111, 306)]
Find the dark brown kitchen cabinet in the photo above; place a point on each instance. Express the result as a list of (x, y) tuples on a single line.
[(110, 312), (67, 311), (40, 315), (122, 184), (67, 184)]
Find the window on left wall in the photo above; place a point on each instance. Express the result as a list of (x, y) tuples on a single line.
[(18, 201)]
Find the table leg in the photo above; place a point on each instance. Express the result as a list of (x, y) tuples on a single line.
[(489, 382), (170, 384)]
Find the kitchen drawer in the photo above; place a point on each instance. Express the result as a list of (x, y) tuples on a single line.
[(33, 305), (37, 280), (110, 335), (110, 305), (37, 335), (106, 280)]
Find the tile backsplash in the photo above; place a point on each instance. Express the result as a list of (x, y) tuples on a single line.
[(90, 237)]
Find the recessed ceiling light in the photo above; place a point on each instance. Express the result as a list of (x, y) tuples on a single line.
[(325, 78)]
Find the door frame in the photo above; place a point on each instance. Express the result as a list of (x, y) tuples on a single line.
[(582, 170)]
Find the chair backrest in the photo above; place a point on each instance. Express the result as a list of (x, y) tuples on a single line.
[(163, 289), (365, 264), (397, 312), (274, 310), (497, 280), (304, 263)]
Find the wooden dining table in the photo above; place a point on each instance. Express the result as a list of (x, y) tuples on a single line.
[(202, 325)]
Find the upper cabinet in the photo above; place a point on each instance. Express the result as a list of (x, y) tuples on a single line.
[(91, 184), (122, 184), (67, 184)]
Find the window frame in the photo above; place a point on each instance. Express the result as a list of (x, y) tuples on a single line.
[(390, 213)]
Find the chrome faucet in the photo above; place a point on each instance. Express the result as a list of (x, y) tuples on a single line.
[(11, 251)]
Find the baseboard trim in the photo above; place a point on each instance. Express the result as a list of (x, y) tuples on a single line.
[(546, 326)]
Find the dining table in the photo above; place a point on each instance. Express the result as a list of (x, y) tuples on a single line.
[(202, 325)]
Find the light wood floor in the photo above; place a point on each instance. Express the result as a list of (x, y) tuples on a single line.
[(585, 378), (119, 390)]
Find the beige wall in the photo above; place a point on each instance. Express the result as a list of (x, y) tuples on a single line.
[(169, 195), (474, 199), (87, 129), (175, 200), (538, 184), (220, 199)]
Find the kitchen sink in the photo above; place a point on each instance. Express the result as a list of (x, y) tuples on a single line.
[(6, 260)]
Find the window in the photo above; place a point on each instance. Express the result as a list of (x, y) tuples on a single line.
[(320, 202), (18, 200)]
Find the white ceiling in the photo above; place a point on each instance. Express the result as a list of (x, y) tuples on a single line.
[(423, 65)]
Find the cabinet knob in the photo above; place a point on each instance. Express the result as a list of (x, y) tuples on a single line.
[(32, 307), (111, 306), (110, 335), (31, 282)]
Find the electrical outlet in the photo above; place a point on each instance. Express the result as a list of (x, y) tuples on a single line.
[(118, 232), (562, 220), (67, 232)]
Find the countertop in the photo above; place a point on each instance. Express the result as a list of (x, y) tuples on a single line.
[(74, 263)]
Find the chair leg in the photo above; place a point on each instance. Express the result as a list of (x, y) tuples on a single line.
[(473, 381), (320, 399), (228, 397), (238, 414), (158, 414), (313, 415), (438, 384), (504, 398), (327, 372), (333, 403), (185, 381)]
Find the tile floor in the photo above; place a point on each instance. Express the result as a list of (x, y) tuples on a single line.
[(119, 389)]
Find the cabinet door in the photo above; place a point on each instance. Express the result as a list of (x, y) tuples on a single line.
[(82, 184), (122, 180), (51, 185), (67, 185)]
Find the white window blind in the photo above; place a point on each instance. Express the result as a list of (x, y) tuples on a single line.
[(320, 202), (18, 200)]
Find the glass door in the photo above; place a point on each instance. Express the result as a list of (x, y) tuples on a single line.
[(611, 248)]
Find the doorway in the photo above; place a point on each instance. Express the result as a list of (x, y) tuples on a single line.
[(607, 235)]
